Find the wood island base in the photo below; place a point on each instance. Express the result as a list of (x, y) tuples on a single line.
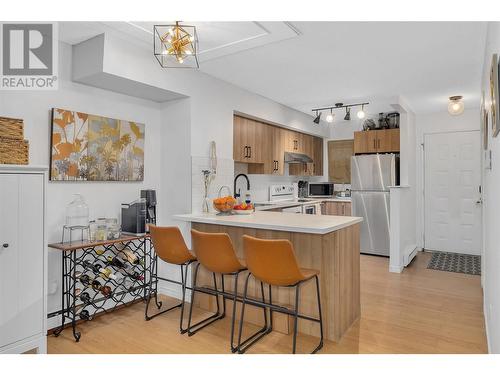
[(335, 255)]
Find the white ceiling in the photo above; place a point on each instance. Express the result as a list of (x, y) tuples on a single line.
[(312, 64)]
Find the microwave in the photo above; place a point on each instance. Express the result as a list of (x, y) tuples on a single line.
[(321, 189)]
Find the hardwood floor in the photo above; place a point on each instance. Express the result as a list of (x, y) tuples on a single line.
[(417, 311)]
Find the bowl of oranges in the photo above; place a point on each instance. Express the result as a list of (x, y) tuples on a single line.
[(224, 205)]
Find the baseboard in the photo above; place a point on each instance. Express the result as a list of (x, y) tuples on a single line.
[(396, 269), (409, 253), (485, 314), (172, 290)]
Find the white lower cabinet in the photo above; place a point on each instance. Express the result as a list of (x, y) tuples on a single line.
[(23, 260)]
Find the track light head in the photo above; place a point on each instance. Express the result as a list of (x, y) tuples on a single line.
[(347, 114), (317, 118)]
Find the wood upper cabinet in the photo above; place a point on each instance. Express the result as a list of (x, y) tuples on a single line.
[(247, 140), (313, 147), (263, 146), (275, 164), (375, 141), (318, 156), (339, 161)]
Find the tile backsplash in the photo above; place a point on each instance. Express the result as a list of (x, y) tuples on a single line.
[(224, 176)]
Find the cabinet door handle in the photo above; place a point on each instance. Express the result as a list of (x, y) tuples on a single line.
[(245, 153), (5, 245), (250, 148), (277, 165)]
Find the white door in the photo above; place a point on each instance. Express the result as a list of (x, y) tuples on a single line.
[(21, 257), (452, 192)]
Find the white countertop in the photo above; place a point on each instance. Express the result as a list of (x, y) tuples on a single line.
[(264, 206), (288, 222)]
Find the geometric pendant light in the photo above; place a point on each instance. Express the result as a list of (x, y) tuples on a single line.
[(176, 46)]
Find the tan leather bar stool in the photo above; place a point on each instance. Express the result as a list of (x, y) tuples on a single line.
[(215, 252), (170, 247), (273, 262)]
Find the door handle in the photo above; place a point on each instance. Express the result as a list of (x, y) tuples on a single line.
[(277, 165), (5, 245), (250, 148), (246, 152)]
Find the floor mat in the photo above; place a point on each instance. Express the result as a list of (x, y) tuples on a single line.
[(451, 262)]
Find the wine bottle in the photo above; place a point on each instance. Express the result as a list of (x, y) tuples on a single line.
[(85, 297), (96, 267), (84, 314), (132, 274), (117, 262), (130, 256), (99, 250), (108, 274)]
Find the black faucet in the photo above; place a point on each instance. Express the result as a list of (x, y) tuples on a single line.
[(236, 195)]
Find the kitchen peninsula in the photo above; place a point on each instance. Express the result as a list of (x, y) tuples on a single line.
[(327, 243)]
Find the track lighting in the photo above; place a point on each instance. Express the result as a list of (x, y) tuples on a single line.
[(361, 113), (317, 118), (456, 105), (330, 117), (347, 116)]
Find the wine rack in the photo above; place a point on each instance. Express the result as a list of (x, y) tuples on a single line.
[(97, 277)]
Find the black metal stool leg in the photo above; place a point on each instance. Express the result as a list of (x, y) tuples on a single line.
[(148, 299), (270, 309), (233, 320), (183, 302), (243, 346), (296, 318), (320, 345), (192, 329)]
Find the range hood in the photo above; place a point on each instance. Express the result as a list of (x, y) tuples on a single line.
[(295, 158)]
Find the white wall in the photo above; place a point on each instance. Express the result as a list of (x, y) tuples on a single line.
[(104, 199), (436, 123), (491, 207)]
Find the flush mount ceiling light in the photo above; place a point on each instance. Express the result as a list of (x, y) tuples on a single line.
[(176, 46), (330, 117), (317, 118), (456, 105)]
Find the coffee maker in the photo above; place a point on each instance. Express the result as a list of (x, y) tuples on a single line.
[(150, 196)]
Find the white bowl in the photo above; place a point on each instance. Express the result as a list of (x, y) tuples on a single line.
[(243, 212)]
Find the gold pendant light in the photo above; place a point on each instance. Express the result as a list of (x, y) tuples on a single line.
[(176, 46)]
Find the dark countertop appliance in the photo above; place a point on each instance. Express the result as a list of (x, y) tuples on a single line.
[(321, 189), (150, 196), (134, 217)]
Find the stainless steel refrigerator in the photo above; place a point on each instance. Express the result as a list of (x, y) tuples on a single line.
[(371, 176)]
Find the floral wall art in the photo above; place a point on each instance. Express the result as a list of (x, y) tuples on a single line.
[(88, 147)]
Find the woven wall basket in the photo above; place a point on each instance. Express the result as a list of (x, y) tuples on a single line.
[(13, 151), (11, 128)]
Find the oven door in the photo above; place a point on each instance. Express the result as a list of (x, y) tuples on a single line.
[(310, 209)]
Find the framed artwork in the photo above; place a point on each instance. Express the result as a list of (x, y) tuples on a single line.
[(495, 111), (483, 112), (87, 147)]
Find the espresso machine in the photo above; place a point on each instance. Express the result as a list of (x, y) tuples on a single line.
[(150, 197)]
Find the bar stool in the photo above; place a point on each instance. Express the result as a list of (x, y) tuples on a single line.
[(215, 252), (273, 262), (170, 247)]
